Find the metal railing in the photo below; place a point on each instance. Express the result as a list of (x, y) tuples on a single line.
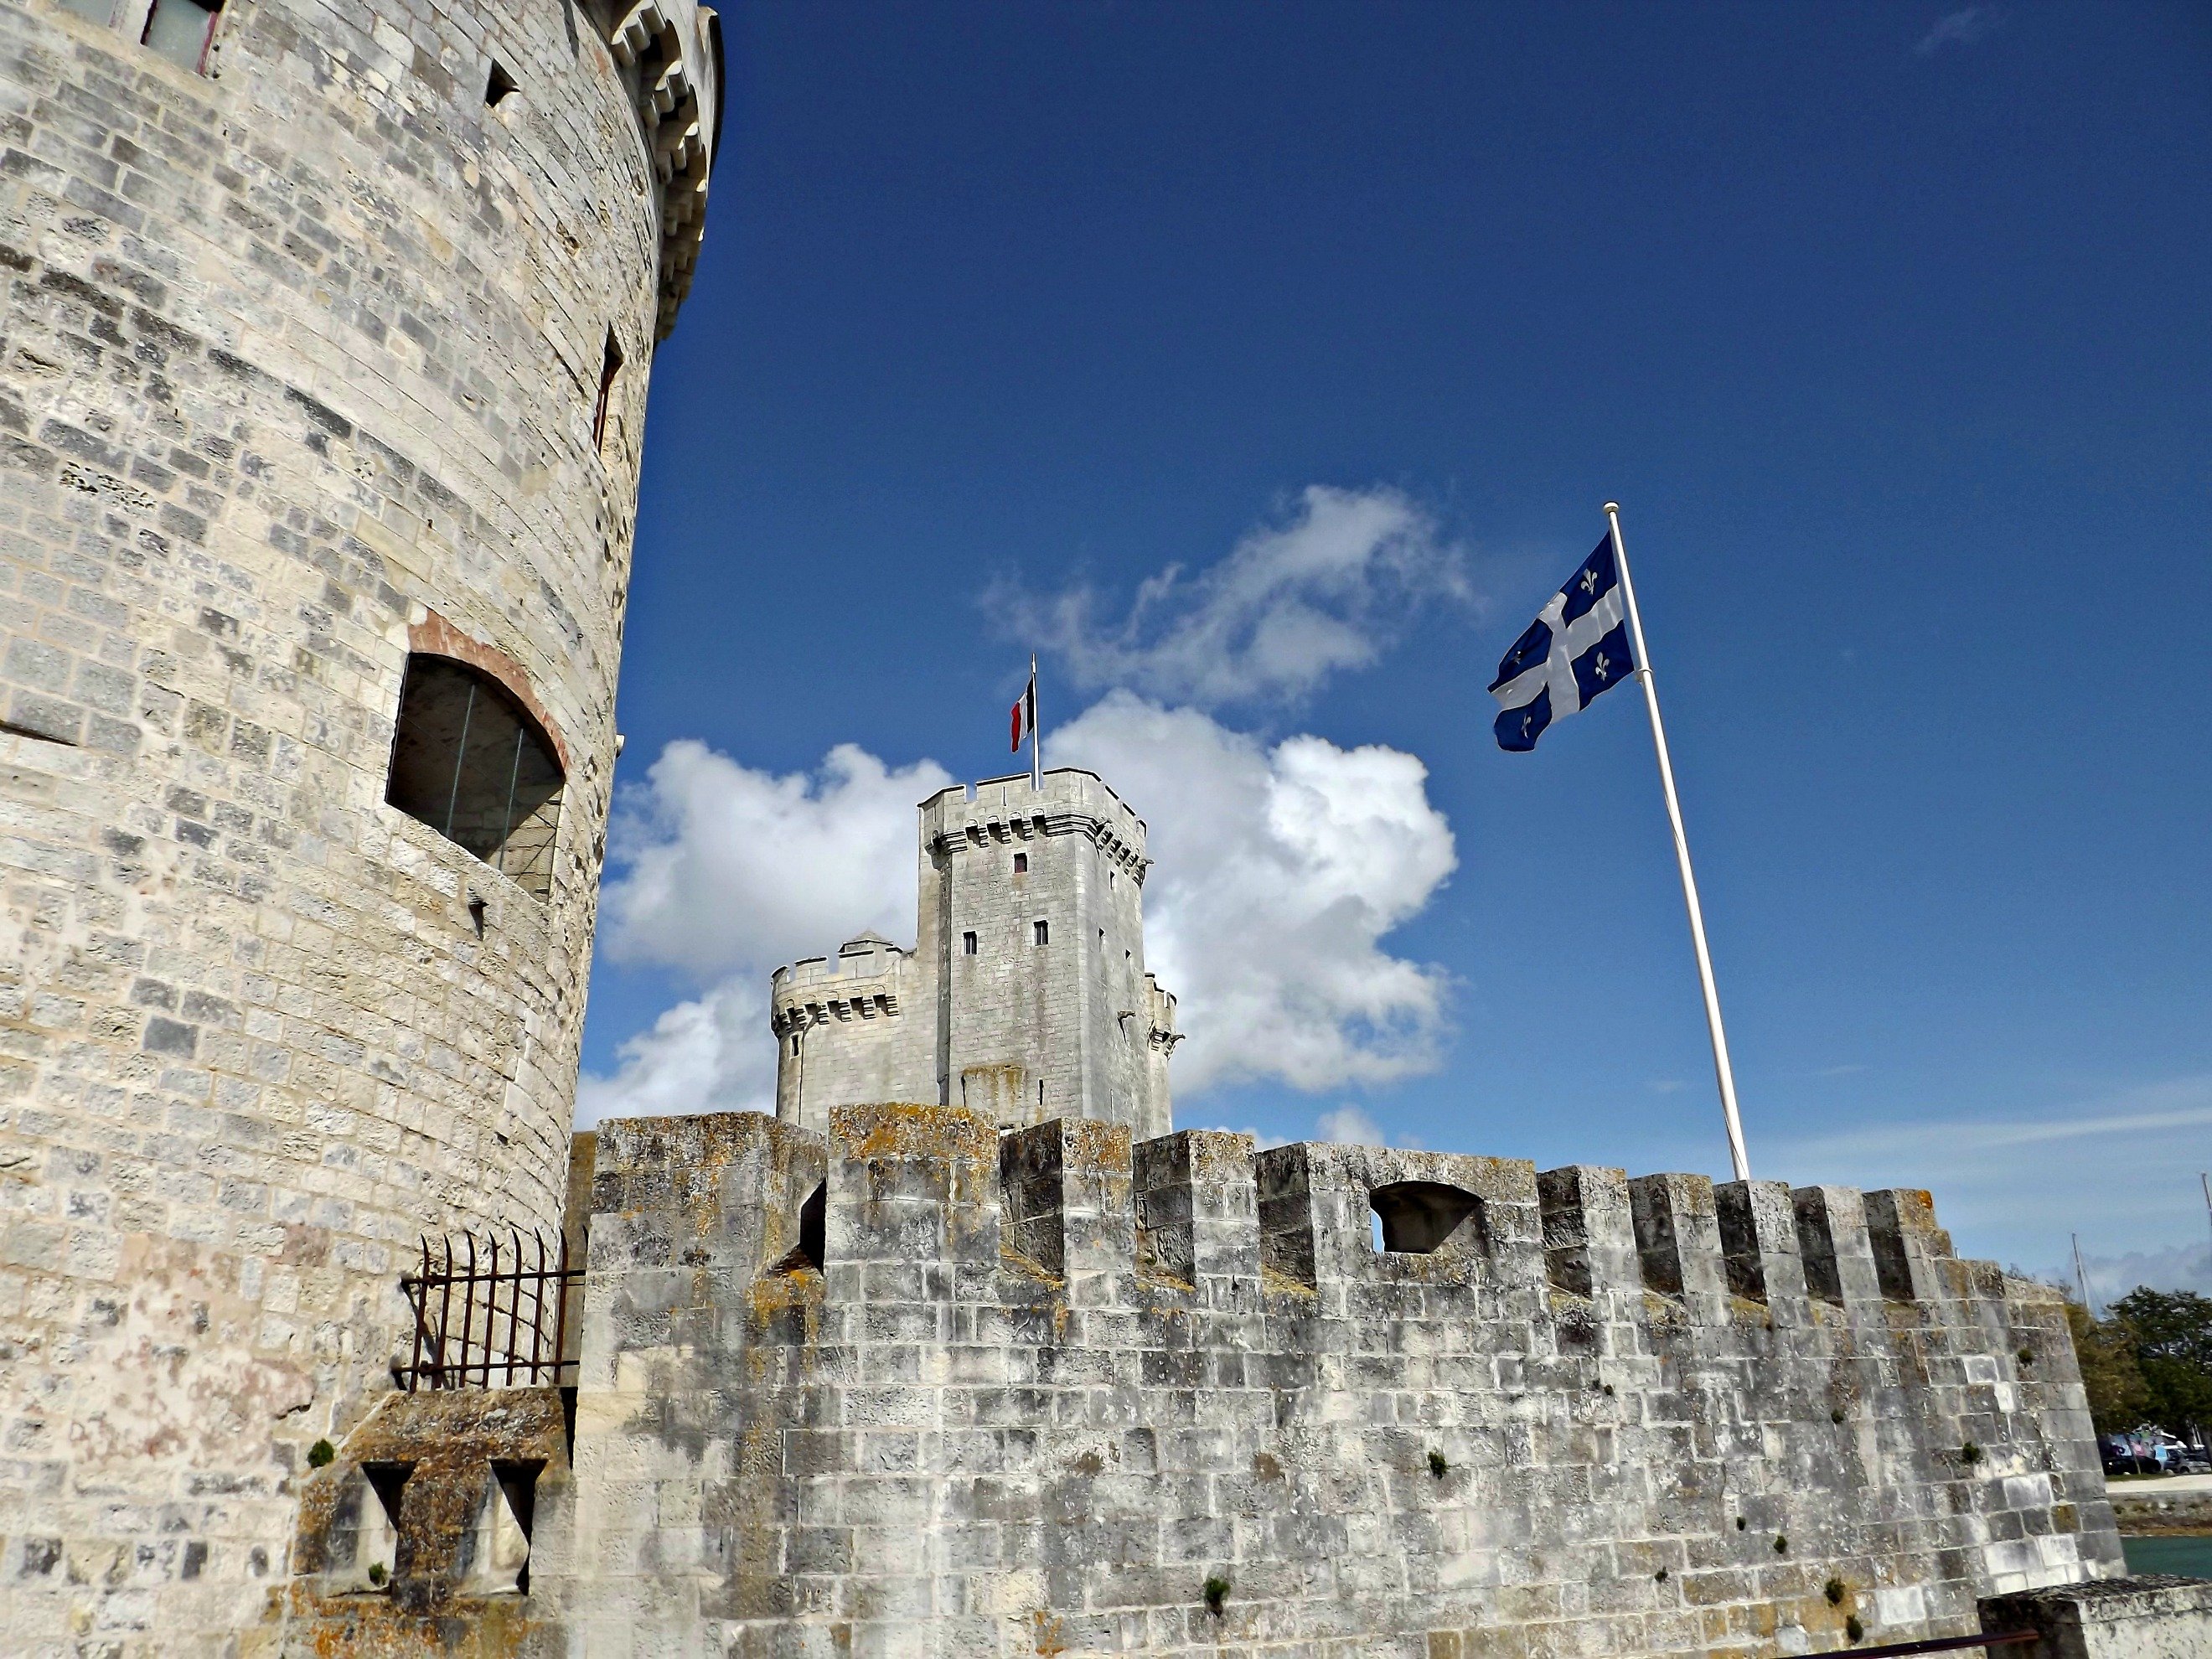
[(491, 1317), (1945, 1644)]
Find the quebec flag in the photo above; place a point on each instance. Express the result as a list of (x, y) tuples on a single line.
[(1577, 648)]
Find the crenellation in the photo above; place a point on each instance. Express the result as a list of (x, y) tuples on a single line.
[(994, 1440)]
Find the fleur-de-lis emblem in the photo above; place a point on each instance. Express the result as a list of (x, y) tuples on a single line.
[(1590, 581), (1602, 665)]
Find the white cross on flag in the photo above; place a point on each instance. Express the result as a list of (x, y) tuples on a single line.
[(1577, 648)]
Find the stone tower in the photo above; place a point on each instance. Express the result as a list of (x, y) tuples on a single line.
[(322, 388), (1025, 998)]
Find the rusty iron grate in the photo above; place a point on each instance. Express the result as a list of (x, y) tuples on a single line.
[(490, 1315)]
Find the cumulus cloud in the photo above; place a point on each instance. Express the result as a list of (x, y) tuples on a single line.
[(1278, 870), (1958, 28), (725, 866), (725, 873), (1281, 867), (710, 1054), (1323, 588)]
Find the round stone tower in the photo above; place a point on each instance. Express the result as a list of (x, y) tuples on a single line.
[(322, 388)]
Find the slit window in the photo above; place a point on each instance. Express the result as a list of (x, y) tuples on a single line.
[(610, 370), (503, 1547), (471, 762), (1043, 931), (1021, 864), (967, 944), (497, 85), (181, 31)]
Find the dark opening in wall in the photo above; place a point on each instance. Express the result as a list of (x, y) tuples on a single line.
[(1416, 1217), (967, 944), (609, 368), (375, 1526), (814, 1226), (1043, 931), (503, 1563), (181, 31), (471, 762), (497, 84), (1021, 864)]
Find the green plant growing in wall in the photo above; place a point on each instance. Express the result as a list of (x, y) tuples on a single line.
[(1970, 1455), (1854, 1630), (1217, 1594), (1834, 1590), (1781, 1543), (1437, 1466), (376, 1574), (320, 1454)]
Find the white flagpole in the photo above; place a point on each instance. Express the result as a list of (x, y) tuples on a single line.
[(1036, 731), (1722, 1069)]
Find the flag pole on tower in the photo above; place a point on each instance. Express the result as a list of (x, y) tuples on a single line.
[(1722, 1070), (1024, 725)]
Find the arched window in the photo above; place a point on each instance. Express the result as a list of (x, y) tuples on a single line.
[(471, 762)]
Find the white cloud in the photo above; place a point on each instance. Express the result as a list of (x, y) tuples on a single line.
[(1348, 1126), (1279, 869), (1323, 589), (1959, 28), (1277, 872), (725, 866), (712, 1053), (726, 873)]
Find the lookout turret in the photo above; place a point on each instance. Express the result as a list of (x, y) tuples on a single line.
[(1025, 998)]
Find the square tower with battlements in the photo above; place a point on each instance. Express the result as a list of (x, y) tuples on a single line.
[(1026, 996)]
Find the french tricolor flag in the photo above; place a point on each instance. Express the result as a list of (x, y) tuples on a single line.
[(1025, 713)]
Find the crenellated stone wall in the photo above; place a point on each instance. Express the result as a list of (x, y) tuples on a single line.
[(1031, 1394)]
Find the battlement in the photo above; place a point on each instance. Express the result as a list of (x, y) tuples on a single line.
[(1031, 1391), (1310, 1216), (868, 977), (673, 49), (1000, 811)]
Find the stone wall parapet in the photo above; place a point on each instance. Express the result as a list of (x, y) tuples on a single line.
[(1030, 1390)]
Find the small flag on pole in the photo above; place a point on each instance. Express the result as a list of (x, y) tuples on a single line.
[(1577, 649), (1024, 714)]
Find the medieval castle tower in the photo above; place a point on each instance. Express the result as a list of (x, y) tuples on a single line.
[(1025, 998), (322, 382), (322, 388)]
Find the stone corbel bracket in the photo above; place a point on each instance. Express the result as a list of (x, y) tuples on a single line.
[(677, 96)]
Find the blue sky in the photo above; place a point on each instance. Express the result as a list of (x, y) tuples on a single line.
[(1886, 324)]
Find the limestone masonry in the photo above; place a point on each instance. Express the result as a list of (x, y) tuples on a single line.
[(322, 386), (322, 383), (1025, 998)]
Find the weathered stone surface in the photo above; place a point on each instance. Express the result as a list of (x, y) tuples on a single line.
[(2155, 1617), (299, 363), (1038, 1390), (1025, 998)]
